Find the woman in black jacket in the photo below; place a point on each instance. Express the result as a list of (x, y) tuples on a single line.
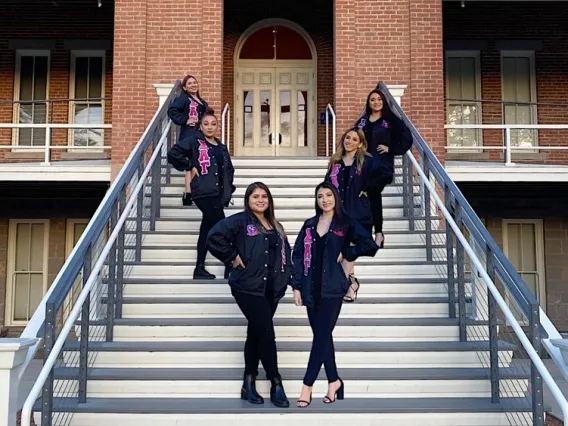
[(351, 170), (187, 111), (212, 184), (386, 136), (255, 244), (320, 283)]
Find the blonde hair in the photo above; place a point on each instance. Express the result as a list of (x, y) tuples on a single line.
[(340, 151)]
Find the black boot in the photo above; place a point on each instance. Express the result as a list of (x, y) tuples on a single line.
[(277, 395), (186, 199), (248, 391), (201, 273)]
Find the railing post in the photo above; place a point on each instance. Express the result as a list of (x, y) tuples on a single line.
[(404, 186), (508, 160), (536, 378), (139, 214), (155, 187), (410, 195), (427, 213), (84, 342), (450, 257), (493, 337), (168, 166), (111, 286), (48, 342), (47, 153), (120, 257), (460, 260)]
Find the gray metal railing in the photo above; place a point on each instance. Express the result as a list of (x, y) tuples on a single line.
[(486, 295), (86, 296)]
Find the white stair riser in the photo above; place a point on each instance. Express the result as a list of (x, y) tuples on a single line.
[(282, 214), (180, 240), (209, 290), (218, 269), (285, 310), (391, 254), (285, 419), (355, 388), (280, 191), (292, 359), (293, 333)]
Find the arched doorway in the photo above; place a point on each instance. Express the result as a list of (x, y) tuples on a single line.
[(275, 91)]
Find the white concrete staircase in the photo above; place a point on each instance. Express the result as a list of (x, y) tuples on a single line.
[(176, 358)]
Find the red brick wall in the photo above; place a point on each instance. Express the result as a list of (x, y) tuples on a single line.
[(400, 42), (492, 22), (159, 41), (68, 21)]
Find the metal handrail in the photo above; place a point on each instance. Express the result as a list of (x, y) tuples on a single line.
[(74, 315), (226, 133), (63, 282), (500, 102), (329, 110), (516, 286)]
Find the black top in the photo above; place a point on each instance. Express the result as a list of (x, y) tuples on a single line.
[(368, 130), (217, 152), (346, 176), (318, 267), (273, 245)]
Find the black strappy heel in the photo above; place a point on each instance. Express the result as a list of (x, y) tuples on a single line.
[(353, 280), (301, 401), (339, 394)]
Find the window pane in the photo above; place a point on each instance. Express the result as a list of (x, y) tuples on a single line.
[(453, 70), (78, 229), (529, 247), (21, 297), (36, 293), (23, 231), (302, 118), (248, 124), (36, 249), (81, 77), (265, 117), (40, 80), (26, 78), (532, 283), (514, 244), (96, 78), (285, 119)]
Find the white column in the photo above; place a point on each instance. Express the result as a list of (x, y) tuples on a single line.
[(12, 354), (397, 91), (163, 90)]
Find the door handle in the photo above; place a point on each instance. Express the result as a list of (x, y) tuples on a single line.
[(279, 139)]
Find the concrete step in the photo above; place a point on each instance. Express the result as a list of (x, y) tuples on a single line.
[(359, 411), (207, 354)]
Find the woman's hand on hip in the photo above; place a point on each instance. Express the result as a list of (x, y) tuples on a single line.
[(194, 172), (237, 261), (340, 258), (382, 149), (297, 298)]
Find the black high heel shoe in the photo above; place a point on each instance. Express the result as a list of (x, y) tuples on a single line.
[(339, 394), (301, 401), (353, 280)]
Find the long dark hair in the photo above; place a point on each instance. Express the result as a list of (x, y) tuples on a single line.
[(387, 113), (339, 211), (268, 213), (184, 81)]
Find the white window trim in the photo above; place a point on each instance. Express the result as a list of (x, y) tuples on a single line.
[(539, 241), (74, 55), (476, 55), (530, 54), (16, 95), (12, 224)]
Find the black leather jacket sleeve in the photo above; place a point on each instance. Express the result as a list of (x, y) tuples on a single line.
[(221, 239), (364, 243), (176, 110)]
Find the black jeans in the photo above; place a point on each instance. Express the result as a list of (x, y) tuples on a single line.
[(323, 318), (261, 339), (212, 211), (376, 200)]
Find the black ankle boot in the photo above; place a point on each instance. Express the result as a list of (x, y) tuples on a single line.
[(201, 273), (248, 391), (186, 199), (277, 395)]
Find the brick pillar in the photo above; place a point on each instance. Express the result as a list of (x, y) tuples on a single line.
[(129, 79), (161, 41), (400, 42)]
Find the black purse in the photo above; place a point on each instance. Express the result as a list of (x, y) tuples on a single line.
[(178, 158)]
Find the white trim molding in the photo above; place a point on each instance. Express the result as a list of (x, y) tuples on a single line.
[(397, 91), (61, 171), (163, 90)]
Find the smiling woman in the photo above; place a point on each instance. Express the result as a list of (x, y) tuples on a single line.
[(255, 244)]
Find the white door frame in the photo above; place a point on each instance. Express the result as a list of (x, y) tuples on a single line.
[(242, 65)]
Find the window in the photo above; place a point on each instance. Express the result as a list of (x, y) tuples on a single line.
[(519, 88), (523, 244), (463, 85), (31, 88), (87, 91), (27, 268)]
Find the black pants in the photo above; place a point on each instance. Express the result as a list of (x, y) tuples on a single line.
[(261, 339), (323, 317), (212, 211), (376, 200)]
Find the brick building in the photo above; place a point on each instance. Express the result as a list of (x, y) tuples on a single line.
[(84, 77)]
